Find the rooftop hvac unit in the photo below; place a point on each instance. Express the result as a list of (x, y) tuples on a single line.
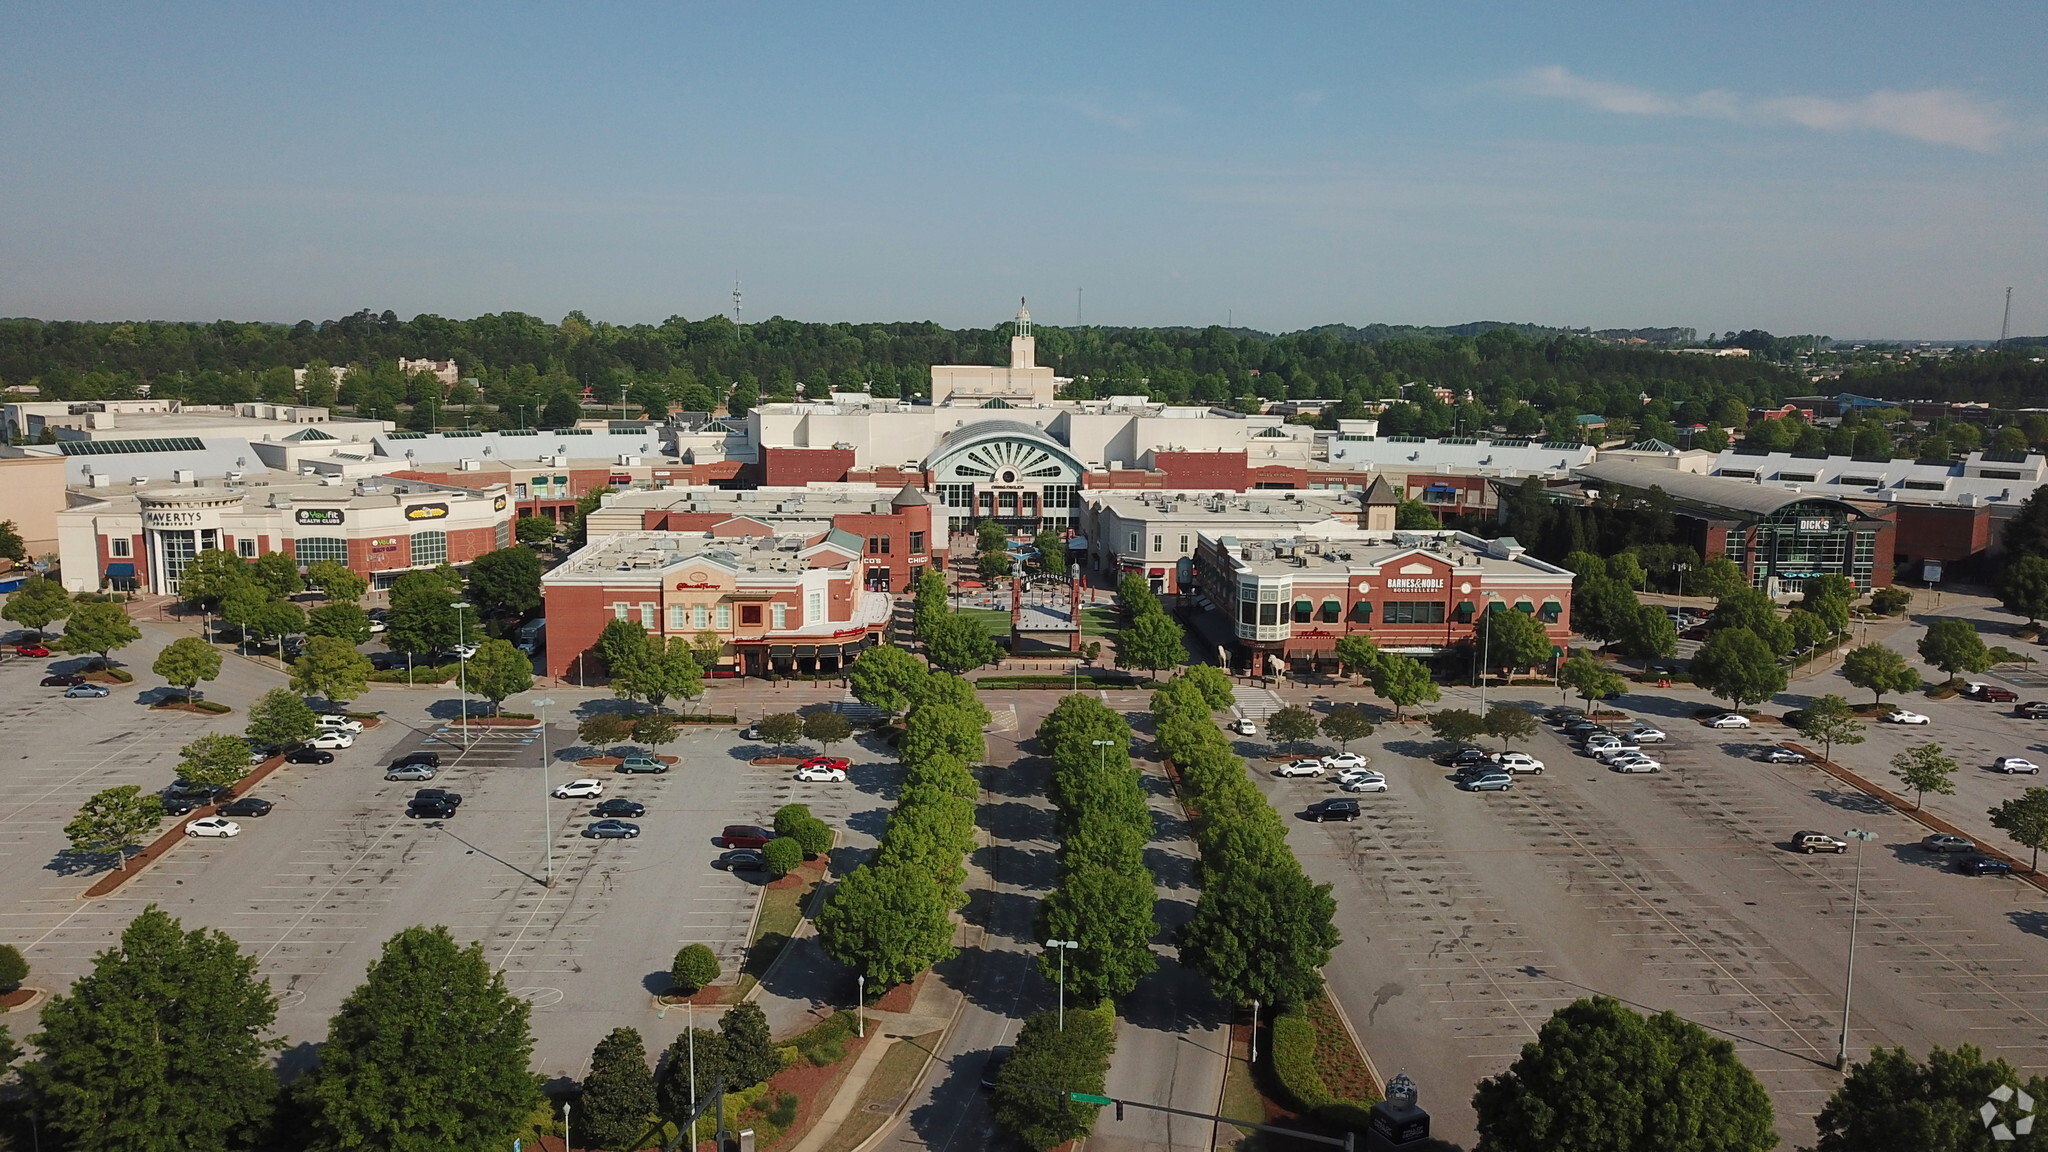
[(626, 461), (368, 486), (467, 465), (185, 476), (234, 477), (139, 481), (99, 480)]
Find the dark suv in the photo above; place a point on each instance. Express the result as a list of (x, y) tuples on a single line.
[(1339, 808), (1991, 692), (430, 759), (430, 810)]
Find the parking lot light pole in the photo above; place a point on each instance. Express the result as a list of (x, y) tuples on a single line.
[(1099, 746), (461, 671), (547, 823), (1855, 906), (1064, 946)]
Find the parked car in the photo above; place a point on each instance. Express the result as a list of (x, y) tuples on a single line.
[(423, 756), (637, 763), (2020, 765), (410, 771), (741, 860), (1729, 720), (1643, 734), (332, 722), (1243, 727), (1300, 768), (430, 810), (612, 830), (1335, 808), (1598, 742), (2031, 710), (1495, 781), (1469, 754), (578, 789), (62, 680), (332, 740), (437, 796), (1901, 716), (190, 794), (822, 773), (751, 732), (1561, 715), (1811, 842), (1519, 762), (1580, 729), (992, 1066), (1978, 690), (1362, 782), (247, 806), (745, 836), (1619, 748), (840, 762), (1945, 842), (35, 650), (86, 692), (309, 756), (176, 805), (213, 826), (619, 806), (1980, 865), (1781, 756), (1634, 762), (1345, 760), (461, 652)]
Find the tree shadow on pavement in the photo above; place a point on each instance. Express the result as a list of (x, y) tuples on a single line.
[(2032, 921), (1856, 802)]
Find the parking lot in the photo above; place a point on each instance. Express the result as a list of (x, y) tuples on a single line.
[(315, 887), (1469, 917)]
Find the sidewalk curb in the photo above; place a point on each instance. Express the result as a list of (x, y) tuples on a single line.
[(1924, 818)]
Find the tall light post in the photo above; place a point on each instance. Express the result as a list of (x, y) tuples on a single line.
[(1855, 906), (1064, 946), (547, 822), (1682, 570), (860, 1005), (462, 669), (1099, 746)]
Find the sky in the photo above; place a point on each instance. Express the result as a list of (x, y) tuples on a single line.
[(1853, 170)]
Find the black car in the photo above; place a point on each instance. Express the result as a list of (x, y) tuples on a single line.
[(423, 756), (437, 796), (63, 680), (741, 860), (429, 810), (309, 756), (1980, 865), (247, 806), (175, 805), (387, 661), (619, 806), (992, 1066), (1582, 728), (1464, 754), (1336, 808)]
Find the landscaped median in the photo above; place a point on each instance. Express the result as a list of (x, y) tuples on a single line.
[(174, 835)]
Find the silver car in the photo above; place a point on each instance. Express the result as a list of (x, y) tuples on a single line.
[(410, 772)]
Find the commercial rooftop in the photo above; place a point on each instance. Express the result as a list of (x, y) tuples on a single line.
[(1979, 478), (1501, 457), (789, 554), (1740, 499), (1343, 551), (524, 445)]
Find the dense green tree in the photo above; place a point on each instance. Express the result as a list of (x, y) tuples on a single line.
[(1213, 684), (423, 618), (1602, 1078), (12, 546), (534, 529), (209, 576), (215, 760), (958, 643), (280, 718), (605, 728), (1074, 1057), (1880, 669), (429, 1053), (782, 856), (2024, 818), (186, 661), (690, 1069), (1738, 667), (1357, 654), (336, 581), (1756, 613), (1891, 600), (1403, 681), (1808, 628), (888, 923), (826, 729), (1893, 1103), (1052, 552), (1954, 646), (1412, 515), (1513, 640), (695, 967), (113, 820), (505, 583), (1261, 934), (1648, 633), (342, 621), (1718, 578), (101, 629), (1345, 723), (618, 1095), (1926, 768), (1292, 725), (884, 676), (749, 1053), (274, 620), (1831, 721), (2023, 587), (331, 669), (164, 1045), (1153, 642), (1592, 679), (13, 970), (990, 536), (37, 603), (277, 574), (498, 670), (1508, 723), (665, 668), (1108, 910), (1457, 725)]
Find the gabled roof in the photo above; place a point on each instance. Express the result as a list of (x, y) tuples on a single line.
[(1380, 492)]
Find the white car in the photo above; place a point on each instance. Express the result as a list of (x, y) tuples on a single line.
[(377, 626), (1729, 720), (1362, 782), (331, 740), (578, 790), (1644, 734), (1243, 727), (822, 772), (1518, 762), (1634, 762), (463, 651), (1616, 751), (333, 723), (1901, 716), (2019, 764), (213, 826), (1300, 768), (1345, 760)]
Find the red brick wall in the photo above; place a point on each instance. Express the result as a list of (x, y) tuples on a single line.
[(1225, 471), (1124, 478), (794, 467), (1931, 533), (575, 615), (1277, 475)]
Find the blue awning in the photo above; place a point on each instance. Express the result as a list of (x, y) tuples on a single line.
[(1440, 488), (121, 568)]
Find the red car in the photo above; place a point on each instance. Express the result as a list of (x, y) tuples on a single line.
[(31, 650), (62, 680), (1991, 692), (839, 762), (745, 836)]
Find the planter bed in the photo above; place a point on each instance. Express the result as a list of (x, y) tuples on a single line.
[(202, 707), (772, 761), (175, 834)]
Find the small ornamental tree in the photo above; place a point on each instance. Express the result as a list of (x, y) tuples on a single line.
[(534, 529), (280, 718), (113, 820), (1292, 725), (1592, 679), (13, 969), (1357, 654), (1926, 768), (694, 968), (1403, 681), (37, 603), (1345, 723), (186, 661), (826, 729), (655, 728), (2024, 818), (499, 669), (604, 728), (331, 669), (215, 760), (1457, 725), (782, 856), (1831, 721), (1954, 646), (781, 729), (1507, 723), (1880, 670), (98, 628)]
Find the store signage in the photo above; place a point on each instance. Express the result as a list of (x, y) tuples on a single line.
[(685, 587), (1411, 584), (1821, 524), (171, 519), (498, 504), (322, 517), (426, 512), (388, 544)]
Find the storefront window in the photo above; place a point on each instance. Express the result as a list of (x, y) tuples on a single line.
[(1332, 611), (1551, 611), (1413, 612), (1304, 612), (429, 548), (313, 549)]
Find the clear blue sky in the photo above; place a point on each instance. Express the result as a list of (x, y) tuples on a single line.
[(1850, 169)]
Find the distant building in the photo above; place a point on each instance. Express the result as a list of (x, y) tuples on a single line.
[(442, 370)]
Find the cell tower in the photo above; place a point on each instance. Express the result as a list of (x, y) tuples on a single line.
[(2005, 325), (735, 299)]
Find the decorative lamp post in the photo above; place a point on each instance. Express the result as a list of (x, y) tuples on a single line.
[(462, 669), (1855, 906), (1064, 946)]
